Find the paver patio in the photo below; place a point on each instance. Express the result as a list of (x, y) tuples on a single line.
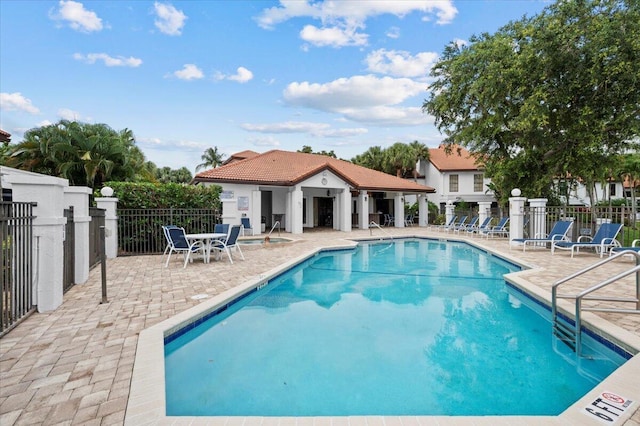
[(74, 365)]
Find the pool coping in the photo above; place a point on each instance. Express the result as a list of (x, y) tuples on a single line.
[(147, 404)]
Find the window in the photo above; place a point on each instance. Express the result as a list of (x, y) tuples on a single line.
[(612, 189), (477, 182), (453, 183)]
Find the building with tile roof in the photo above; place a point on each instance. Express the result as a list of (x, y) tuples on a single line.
[(5, 137), (456, 176), (302, 190)]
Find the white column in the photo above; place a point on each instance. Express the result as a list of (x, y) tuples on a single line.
[(78, 197), (484, 211), (449, 211), (256, 212), (295, 214), (345, 210), (363, 210), (516, 214), (110, 204), (398, 210), (538, 220), (48, 231), (423, 210)]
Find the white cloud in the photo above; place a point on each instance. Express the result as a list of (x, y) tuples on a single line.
[(169, 20), (393, 32), (17, 102), (68, 114), (344, 17), (355, 92), (333, 36), (242, 75), (110, 61), (313, 129), (400, 63), (77, 16), (189, 72)]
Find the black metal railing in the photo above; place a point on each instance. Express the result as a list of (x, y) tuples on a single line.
[(140, 230), (587, 220), (16, 263)]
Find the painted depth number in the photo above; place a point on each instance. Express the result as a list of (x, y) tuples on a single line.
[(607, 407)]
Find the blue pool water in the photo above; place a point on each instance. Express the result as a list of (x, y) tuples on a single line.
[(413, 327)]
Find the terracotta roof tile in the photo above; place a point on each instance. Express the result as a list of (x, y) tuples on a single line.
[(459, 159), (239, 156), (288, 168)]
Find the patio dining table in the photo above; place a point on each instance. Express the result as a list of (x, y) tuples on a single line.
[(207, 239)]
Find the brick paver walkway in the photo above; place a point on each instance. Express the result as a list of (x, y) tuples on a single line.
[(74, 365)]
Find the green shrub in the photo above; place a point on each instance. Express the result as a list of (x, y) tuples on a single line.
[(132, 195)]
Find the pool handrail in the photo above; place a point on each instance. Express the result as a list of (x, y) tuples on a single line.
[(374, 224), (583, 295)]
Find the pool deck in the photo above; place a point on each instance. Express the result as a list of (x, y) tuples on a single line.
[(75, 365)]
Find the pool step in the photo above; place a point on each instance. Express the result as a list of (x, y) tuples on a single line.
[(565, 333)]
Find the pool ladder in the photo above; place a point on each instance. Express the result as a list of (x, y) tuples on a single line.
[(569, 331), (373, 224)]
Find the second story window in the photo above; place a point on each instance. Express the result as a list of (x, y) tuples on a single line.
[(477, 182), (453, 183), (612, 189)]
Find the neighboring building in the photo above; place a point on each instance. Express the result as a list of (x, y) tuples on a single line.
[(455, 177), (302, 190), (578, 195), (5, 137)]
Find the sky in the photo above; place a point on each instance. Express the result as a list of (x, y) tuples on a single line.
[(184, 76)]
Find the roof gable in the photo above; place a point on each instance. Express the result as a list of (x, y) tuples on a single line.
[(458, 160), (286, 168)]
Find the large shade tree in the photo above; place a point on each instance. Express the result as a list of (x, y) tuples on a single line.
[(85, 154), (546, 96)]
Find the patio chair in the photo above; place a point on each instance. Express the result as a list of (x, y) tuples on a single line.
[(408, 220), (230, 243), (603, 241), (500, 229), (486, 224), (165, 232), (178, 243), (472, 223), (388, 220), (455, 225), (635, 246), (246, 225), (444, 225), (558, 233), (221, 228)]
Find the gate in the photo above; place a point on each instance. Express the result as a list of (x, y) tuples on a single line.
[(97, 220), (16, 263), (69, 251)]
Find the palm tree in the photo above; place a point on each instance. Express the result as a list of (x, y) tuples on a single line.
[(211, 158), (421, 153), (400, 158), (85, 154), (373, 158)]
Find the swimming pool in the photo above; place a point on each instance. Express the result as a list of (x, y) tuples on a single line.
[(400, 359)]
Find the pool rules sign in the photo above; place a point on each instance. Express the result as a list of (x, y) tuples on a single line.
[(607, 407)]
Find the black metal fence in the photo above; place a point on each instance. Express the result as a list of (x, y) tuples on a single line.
[(140, 230), (16, 263), (587, 220)]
